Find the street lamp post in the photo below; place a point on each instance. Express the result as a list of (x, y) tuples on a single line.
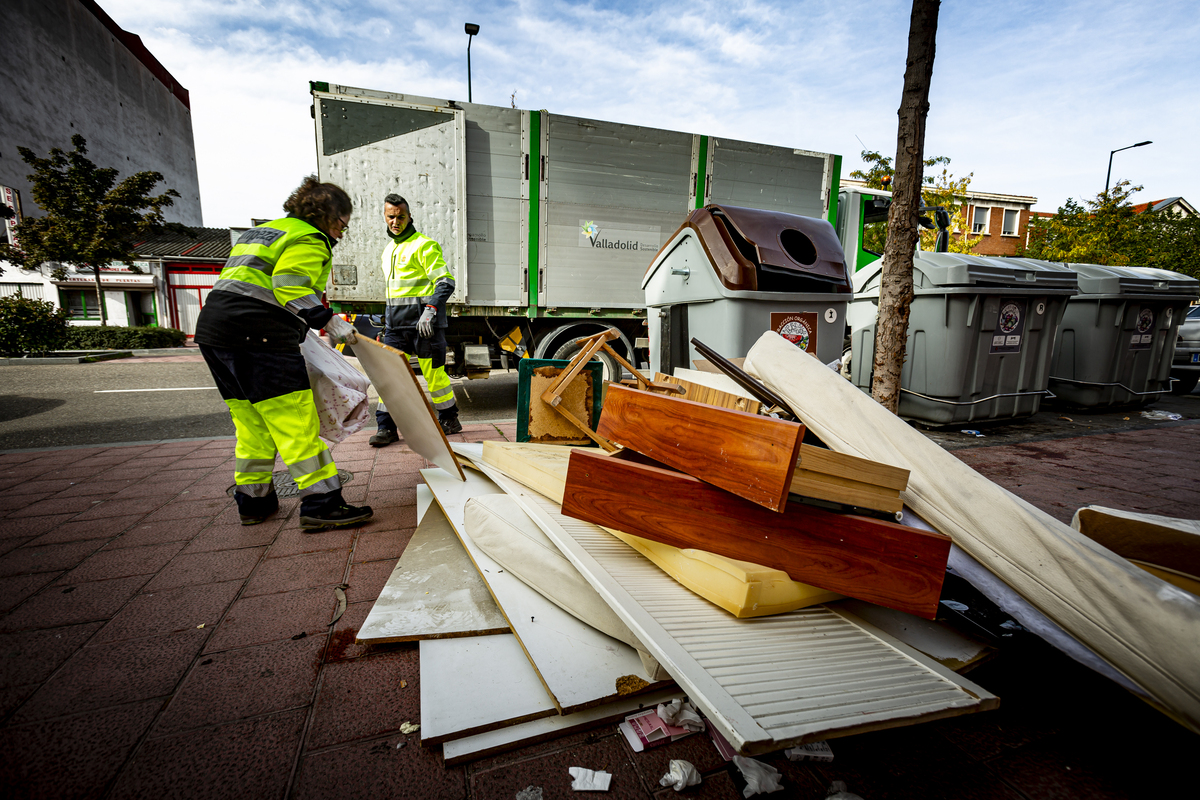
[(471, 29), (1110, 155)]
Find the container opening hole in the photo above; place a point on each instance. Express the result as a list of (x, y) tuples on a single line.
[(798, 246)]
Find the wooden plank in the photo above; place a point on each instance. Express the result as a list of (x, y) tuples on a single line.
[(880, 562), (752, 456), (393, 378), (470, 686), (699, 393), (818, 459), (843, 490), (578, 665), (433, 592), (713, 380), (767, 683), (742, 588), (459, 751)]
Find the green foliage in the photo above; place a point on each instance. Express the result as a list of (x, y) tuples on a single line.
[(1107, 231), (30, 326), (942, 190), (106, 337), (89, 219)]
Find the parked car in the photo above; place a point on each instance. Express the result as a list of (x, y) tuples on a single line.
[(1185, 368)]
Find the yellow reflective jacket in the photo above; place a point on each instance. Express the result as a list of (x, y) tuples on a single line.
[(417, 276), (284, 262)]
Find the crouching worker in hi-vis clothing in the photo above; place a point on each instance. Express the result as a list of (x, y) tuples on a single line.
[(418, 285), (265, 301)]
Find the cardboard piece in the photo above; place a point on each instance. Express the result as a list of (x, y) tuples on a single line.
[(393, 378)]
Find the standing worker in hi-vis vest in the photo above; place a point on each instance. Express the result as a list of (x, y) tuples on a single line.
[(418, 285), (262, 306)]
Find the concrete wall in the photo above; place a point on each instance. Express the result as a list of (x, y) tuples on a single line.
[(66, 72)]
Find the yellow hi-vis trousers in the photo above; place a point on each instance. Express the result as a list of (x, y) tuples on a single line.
[(272, 406), (431, 357)]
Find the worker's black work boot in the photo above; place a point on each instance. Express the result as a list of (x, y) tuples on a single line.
[(253, 510), (320, 512), (383, 437), (449, 421)]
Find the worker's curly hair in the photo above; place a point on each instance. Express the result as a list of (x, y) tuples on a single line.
[(319, 204)]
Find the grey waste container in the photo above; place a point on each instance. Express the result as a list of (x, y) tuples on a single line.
[(980, 335), (1118, 334), (728, 274)]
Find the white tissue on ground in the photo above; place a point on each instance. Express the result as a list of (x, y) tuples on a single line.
[(681, 714), (681, 775), (760, 778), (586, 780)]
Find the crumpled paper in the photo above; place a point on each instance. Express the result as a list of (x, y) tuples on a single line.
[(838, 791), (586, 780), (681, 714), (760, 778), (530, 793), (681, 775)]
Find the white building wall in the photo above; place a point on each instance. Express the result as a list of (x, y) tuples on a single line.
[(64, 73)]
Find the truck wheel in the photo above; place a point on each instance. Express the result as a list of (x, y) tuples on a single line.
[(611, 367), (1185, 382)]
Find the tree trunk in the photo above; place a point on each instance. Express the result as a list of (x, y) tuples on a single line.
[(100, 297), (896, 291)]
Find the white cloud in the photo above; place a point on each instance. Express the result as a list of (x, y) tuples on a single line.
[(1028, 95)]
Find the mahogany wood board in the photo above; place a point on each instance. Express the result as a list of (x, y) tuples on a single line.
[(881, 562), (752, 456)]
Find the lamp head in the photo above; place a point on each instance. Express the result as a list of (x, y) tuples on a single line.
[(471, 28)]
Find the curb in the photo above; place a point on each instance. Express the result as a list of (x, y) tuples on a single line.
[(90, 356)]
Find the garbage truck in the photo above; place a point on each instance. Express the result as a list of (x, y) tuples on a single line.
[(547, 221)]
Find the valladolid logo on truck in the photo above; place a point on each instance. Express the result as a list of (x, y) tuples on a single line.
[(617, 238)]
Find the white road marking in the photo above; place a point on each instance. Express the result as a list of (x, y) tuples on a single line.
[(173, 389)]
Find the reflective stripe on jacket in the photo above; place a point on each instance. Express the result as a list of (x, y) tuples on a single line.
[(284, 262), (416, 276)]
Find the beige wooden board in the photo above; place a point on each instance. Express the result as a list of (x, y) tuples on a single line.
[(397, 385), (713, 380), (699, 393), (469, 686), (842, 465), (842, 490), (433, 592), (470, 748), (765, 682), (578, 665)]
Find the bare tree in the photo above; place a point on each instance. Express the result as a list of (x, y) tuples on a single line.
[(896, 292)]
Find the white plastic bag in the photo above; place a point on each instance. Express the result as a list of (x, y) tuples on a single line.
[(680, 775), (760, 778), (340, 391)]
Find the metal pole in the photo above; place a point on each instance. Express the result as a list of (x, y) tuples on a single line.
[(469, 38), (1108, 177)]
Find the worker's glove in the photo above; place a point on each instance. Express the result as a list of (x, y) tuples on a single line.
[(425, 323), (340, 331)]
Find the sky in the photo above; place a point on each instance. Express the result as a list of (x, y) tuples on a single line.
[(1030, 97)]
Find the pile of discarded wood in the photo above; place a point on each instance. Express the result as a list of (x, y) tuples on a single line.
[(697, 551), (713, 546)]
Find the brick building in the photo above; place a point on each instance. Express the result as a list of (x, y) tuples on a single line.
[(1000, 220)]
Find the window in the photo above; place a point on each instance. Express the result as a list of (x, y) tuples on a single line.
[(79, 303), (979, 220), (1012, 218)]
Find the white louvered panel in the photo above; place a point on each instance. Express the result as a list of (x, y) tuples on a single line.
[(767, 682), (205, 279)]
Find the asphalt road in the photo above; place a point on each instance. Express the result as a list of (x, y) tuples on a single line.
[(75, 404)]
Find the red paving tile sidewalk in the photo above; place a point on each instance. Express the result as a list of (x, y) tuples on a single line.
[(151, 646)]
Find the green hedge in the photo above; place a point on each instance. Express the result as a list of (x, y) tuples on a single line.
[(30, 327), (107, 337)]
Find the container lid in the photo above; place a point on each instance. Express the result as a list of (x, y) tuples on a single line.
[(1097, 279), (789, 242), (934, 270)]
